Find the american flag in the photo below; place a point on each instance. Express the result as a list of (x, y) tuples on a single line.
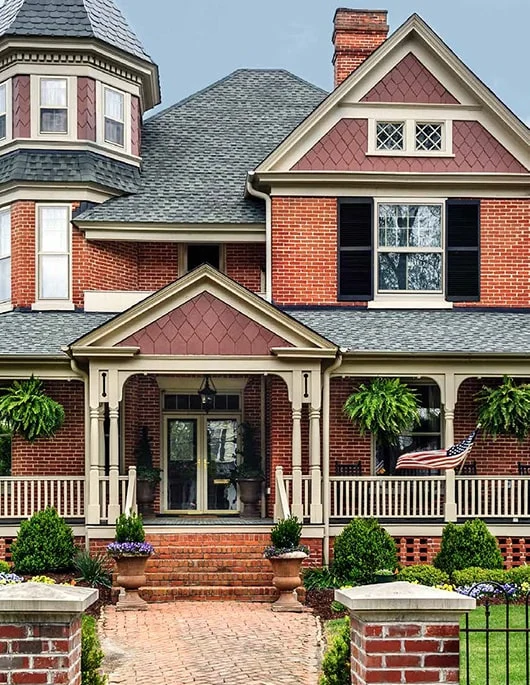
[(444, 459)]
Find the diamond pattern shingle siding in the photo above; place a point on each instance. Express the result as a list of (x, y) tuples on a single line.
[(44, 333), (410, 81), (70, 19), (420, 330), (196, 154), (64, 167)]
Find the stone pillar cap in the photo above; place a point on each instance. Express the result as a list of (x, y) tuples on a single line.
[(402, 596), (34, 598)]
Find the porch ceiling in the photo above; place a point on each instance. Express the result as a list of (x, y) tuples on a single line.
[(420, 331)]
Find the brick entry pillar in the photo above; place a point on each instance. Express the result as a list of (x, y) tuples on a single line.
[(40, 633), (404, 633)]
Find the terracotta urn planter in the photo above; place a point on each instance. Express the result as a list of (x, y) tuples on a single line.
[(286, 569), (250, 494), (131, 576)]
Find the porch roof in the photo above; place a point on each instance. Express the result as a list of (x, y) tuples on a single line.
[(44, 333), (420, 331)]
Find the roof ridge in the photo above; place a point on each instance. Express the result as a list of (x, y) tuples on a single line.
[(213, 85)]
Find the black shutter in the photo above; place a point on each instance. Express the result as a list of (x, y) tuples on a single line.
[(355, 248), (463, 250)]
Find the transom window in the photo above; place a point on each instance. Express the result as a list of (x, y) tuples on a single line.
[(181, 402), (390, 135), (5, 255), (428, 136), (410, 250), (53, 105), (114, 117), (3, 111), (54, 251)]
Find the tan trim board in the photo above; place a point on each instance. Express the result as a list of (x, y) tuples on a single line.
[(182, 233), (71, 143), (43, 192), (303, 352), (103, 351)]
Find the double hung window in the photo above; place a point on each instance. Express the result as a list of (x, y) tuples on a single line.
[(54, 252), (53, 114), (114, 105), (3, 111), (5, 255)]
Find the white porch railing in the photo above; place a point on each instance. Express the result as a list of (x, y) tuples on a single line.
[(104, 495), (387, 497), (306, 492), (22, 496), (493, 496)]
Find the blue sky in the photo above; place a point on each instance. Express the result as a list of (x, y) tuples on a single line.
[(196, 42)]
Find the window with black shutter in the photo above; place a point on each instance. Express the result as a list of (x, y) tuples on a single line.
[(463, 250), (355, 249)]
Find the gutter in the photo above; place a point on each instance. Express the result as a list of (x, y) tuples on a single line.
[(325, 453), (268, 232)]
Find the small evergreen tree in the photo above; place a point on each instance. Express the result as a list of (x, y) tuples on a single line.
[(466, 546)]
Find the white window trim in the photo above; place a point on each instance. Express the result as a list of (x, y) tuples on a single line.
[(401, 299), (100, 119), (5, 305), (52, 304), (123, 96), (409, 137), (71, 102), (9, 112)]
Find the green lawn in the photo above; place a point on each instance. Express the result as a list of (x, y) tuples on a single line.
[(497, 660)]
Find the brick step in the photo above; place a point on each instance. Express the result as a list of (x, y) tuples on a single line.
[(208, 551), (186, 565), (209, 579), (209, 593)]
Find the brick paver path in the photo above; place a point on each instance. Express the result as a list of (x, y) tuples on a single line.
[(210, 643)]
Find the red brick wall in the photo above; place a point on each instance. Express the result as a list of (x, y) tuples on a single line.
[(157, 265), (244, 263), (23, 253), (346, 443), (64, 453), (279, 433)]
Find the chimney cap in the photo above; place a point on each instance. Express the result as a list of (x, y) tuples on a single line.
[(349, 10)]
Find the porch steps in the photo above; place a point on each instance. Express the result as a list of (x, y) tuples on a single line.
[(223, 567)]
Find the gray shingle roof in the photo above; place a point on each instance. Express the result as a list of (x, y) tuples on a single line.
[(99, 19), (454, 330), (68, 166), (44, 333), (196, 154)]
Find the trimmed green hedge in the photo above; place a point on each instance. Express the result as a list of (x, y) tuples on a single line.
[(468, 545)]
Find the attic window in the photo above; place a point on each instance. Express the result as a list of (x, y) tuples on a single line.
[(428, 136), (390, 135)]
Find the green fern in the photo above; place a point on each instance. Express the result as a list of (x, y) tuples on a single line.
[(386, 408), (27, 410), (505, 410)]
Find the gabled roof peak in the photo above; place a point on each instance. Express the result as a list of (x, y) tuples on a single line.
[(100, 19)]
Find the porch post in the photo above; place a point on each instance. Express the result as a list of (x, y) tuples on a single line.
[(93, 510), (297, 508), (314, 466), (449, 439), (101, 419), (114, 464)]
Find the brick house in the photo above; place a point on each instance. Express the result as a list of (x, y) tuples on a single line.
[(274, 241)]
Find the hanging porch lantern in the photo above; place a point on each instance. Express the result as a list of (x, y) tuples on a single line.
[(207, 394)]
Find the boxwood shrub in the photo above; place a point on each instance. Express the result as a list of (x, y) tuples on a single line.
[(472, 575), (336, 662), (466, 546), (91, 653), (362, 548), (424, 574)]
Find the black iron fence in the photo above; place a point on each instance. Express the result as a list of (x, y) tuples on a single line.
[(495, 638)]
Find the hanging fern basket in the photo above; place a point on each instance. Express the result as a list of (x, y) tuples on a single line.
[(385, 407), (27, 410), (505, 409)]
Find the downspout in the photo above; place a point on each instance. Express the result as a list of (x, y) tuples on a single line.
[(268, 233), (326, 510)]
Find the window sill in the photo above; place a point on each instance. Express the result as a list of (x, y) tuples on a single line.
[(409, 153), (53, 305), (409, 302)]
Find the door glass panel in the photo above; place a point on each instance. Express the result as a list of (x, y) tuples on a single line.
[(182, 464), (222, 457)]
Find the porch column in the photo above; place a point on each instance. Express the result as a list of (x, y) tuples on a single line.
[(297, 508), (314, 466), (101, 419), (114, 465), (449, 439), (93, 508)]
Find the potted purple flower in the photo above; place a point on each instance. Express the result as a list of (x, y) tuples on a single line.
[(130, 552)]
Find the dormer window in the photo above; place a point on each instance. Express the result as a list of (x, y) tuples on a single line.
[(114, 117), (390, 135), (429, 136), (53, 115), (3, 111)]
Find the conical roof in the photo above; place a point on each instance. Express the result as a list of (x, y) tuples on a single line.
[(99, 19)]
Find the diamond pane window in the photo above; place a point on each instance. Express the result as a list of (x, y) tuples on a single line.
[(428, 137), (390, 135)]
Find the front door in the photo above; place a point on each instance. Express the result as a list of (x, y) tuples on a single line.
[(201, 453)]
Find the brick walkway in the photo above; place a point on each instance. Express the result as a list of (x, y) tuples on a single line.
[(210, 643)]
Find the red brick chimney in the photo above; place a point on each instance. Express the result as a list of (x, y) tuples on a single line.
[(356, 35)]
